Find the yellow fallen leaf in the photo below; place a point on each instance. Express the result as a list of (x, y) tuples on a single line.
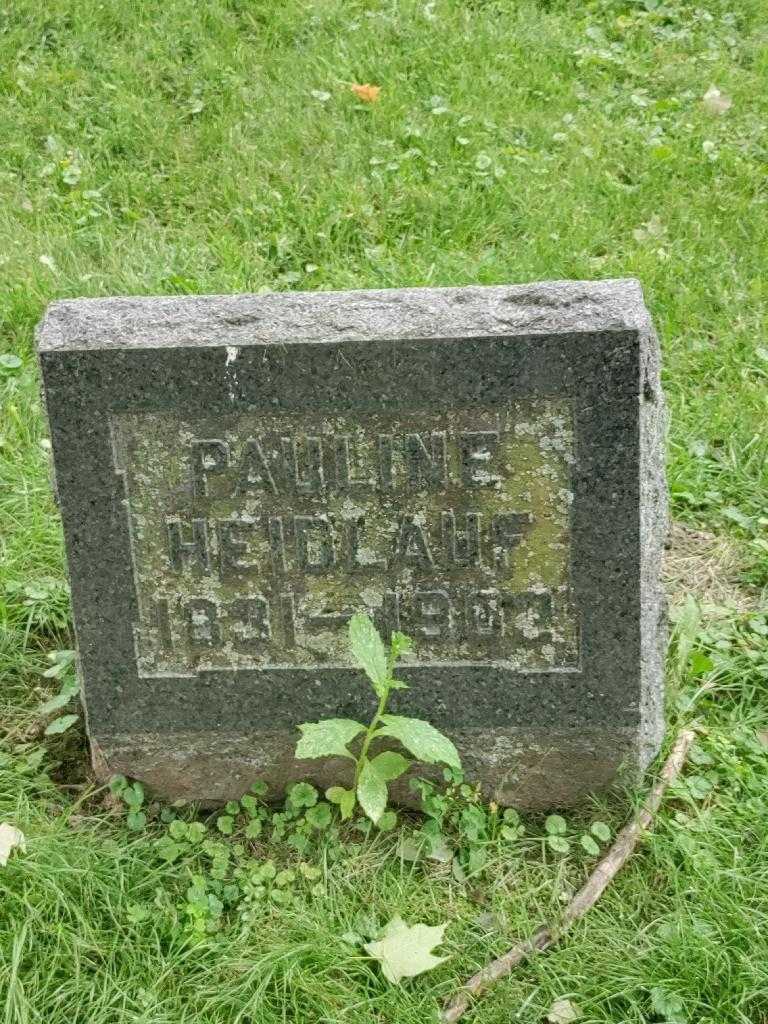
[(367, 93)]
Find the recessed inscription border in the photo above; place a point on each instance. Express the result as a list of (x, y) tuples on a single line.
[(253, 548)]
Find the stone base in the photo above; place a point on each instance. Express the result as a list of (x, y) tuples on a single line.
[(516, 767)]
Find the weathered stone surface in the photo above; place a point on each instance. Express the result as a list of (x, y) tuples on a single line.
[(479, 467)]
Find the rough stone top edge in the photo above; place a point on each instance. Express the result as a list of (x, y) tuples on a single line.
[(546, 307)]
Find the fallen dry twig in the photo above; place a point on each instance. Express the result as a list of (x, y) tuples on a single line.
[(585, 898)]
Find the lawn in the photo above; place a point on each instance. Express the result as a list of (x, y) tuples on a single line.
[(158, 148)]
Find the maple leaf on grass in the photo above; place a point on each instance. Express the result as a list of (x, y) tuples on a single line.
[(406, 950), (563, 1011), (367, 93)]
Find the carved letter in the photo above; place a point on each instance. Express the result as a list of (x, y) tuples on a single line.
[(203, 623), (161, 621), (411, 546), (530, 617), (322, 547), (252, 627), (354, 526), (231, 547), (461, 550), (304, 471), (433, 608), (423, 467), (388, 617), (385, 461), (477, 446), (288, 616), (195, 552), (344, 479), (277, 544), (208, 457), (255, 474), (507, 530), (484, 613)]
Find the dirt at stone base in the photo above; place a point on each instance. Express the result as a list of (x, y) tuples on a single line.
[(708, 566)]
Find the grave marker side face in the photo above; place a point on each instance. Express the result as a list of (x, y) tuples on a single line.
[(480, 468)]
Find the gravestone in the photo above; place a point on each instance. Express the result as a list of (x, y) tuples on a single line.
[(480, 468)]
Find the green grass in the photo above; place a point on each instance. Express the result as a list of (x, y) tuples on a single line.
[(167, 147)]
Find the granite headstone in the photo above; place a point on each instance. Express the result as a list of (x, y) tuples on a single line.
[(480, 467)]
